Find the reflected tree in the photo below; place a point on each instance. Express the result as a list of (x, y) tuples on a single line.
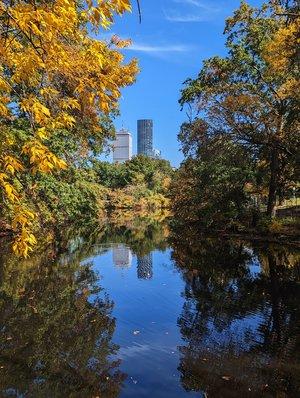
[(240, 318), (56, 331)]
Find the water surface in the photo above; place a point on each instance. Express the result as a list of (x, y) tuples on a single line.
[(146, 312)]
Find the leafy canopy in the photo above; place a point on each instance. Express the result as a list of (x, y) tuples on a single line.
[(53, 75)]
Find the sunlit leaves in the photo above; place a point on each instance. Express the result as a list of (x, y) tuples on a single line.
[(55, 76)]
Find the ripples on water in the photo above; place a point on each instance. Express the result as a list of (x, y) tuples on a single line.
[(138, 312)]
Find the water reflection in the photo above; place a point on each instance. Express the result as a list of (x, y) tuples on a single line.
[(54, 341), (215, 318), (240, 319), (122, 256), (145, 266)]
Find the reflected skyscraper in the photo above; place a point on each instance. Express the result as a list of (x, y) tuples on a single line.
[(145, 267), (122, 256), (145, 137)]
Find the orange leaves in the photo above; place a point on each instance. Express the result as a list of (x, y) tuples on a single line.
[(283, 46), (281, 54)]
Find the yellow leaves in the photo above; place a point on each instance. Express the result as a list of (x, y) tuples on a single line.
[(124, 5), (41, 133), (10, 191), (41, 158), (120, 43), (283, 45), (11, 164), (51, 51), (102, 13), (22, 224), (52, 71), (39, 112), (104, 106), (4, 111), (4, 86), (281, 55), (23, 217), (70, 103)]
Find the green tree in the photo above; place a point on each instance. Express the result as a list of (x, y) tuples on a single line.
[(243, 95), (210, 189)]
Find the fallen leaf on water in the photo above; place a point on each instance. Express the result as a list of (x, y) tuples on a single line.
[(226, 378)]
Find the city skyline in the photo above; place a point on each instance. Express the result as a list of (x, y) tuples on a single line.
[(171, 43), (122, 148)]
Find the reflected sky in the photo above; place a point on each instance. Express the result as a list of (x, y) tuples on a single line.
[(142, 313), (147, 301), (170, 322)]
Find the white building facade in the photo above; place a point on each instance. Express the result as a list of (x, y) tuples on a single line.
[(122, 147)]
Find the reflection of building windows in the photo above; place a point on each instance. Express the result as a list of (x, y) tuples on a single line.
[(145, 137), (122, 256), (156, 154), (144, 267)]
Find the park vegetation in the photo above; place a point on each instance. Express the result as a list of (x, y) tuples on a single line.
[(59, 91), (241, 140)]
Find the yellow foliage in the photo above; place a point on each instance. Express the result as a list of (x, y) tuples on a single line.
[(281, 53), (59, 77)]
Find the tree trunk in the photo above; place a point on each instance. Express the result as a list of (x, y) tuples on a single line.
[(274, 168), (280, 195)]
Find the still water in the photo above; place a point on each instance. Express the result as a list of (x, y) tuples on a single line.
[(143, 311)]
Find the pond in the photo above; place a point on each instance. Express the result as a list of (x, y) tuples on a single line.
[(146, 311)]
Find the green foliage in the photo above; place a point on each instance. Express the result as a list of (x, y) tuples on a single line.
[(213, 185), (274, 226), (250, 98), (72, 197), (154, 174), (139, 183)]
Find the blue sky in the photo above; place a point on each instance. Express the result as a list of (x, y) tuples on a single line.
[(175, 36)]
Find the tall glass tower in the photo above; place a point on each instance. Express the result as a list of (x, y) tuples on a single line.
[(145, 137)]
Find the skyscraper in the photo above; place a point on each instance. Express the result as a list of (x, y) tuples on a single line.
[(122, 147), (145, 137)]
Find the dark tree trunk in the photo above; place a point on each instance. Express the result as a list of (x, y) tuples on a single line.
[(273, 186), (280, 195)]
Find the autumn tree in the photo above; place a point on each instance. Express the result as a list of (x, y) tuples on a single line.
[(252, 94), (209, 188), (53, 76)]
